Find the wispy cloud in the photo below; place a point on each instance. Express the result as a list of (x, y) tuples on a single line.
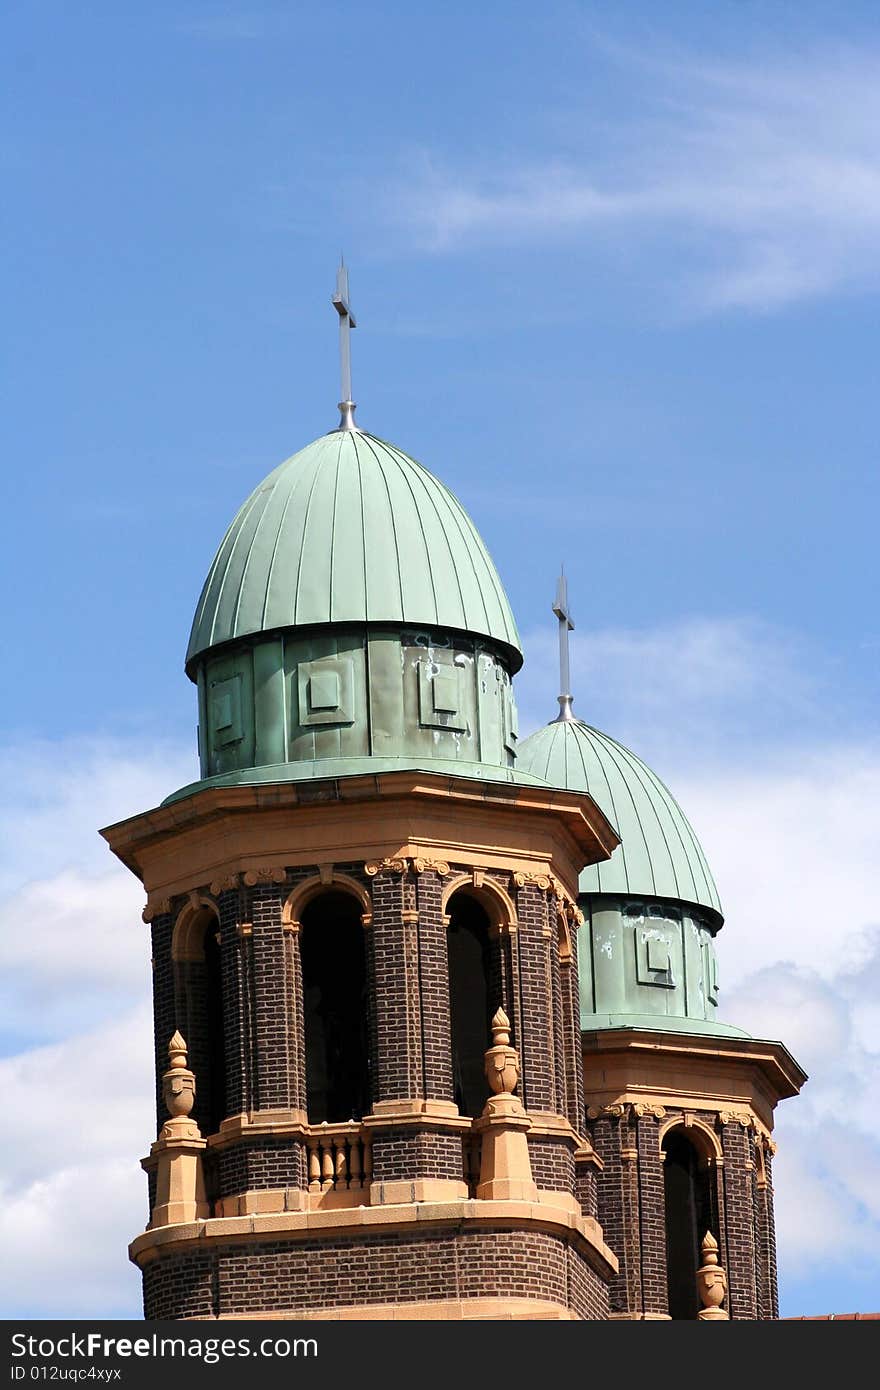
[(763, 180), (684, 690)]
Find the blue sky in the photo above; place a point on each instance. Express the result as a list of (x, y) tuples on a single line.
[(616, 275)]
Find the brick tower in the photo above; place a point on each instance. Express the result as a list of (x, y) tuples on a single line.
[(368, 1050), (679, 1104), (435, 1030)]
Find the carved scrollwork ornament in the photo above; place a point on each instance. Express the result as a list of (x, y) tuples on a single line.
[(438, 866), (541, 881), (734, 1117), (392, 866), (223, 884), (640, 1109), (264, 875), (156, 907), (607, 1112)]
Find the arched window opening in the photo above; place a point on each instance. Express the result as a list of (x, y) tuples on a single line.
[(334, 1004), (201, 1018), (689, 1214), (470, 1001), (216, 1040)]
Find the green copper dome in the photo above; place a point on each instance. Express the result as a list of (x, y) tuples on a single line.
[(659, 855), (351, 530), (646, 952), (353, 621)]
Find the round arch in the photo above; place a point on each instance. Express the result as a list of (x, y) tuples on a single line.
[(188, 934), (310, 888), (498, 905), (699, 1133)]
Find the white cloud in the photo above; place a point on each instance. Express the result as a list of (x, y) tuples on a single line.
[(686, 686), (794, 846), (767, 177), (56, 794), (75, 1119), (825, 1174)]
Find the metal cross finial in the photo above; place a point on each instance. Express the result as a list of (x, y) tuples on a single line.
[(566, 625), (347, 322)]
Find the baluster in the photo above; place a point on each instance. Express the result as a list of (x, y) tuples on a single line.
[(326, 1163), (341, 1176), (314, 1164), (368, 1159), (354, 1164)]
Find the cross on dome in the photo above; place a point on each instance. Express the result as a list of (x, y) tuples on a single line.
[(566, 625), (342, 305)]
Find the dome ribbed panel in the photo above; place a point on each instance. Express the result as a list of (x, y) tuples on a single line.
[(351, 530), (659, 855)]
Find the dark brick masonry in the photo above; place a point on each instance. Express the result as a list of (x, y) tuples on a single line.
[(632, 1215), (303, 1276)]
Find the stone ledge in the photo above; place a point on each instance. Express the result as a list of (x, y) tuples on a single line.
[(583, 1231)]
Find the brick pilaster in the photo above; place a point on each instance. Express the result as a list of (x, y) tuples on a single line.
[(739, 1221), (537, 1087), (164, 1018), (396, 985), (433, 958), (274, 1031), (235, 952), (652, 1216)]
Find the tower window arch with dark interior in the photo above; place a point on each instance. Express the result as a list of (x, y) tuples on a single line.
[(335, 1008), (691, 1209), (198, 982), (475, 955)]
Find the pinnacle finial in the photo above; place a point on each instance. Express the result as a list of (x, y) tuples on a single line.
[(709, 1249), (500, 1028), (566, 625), (711, 1282), (178, 1082), (342, 304)]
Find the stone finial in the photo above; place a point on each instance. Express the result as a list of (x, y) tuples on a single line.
[(711, 1281), (505, 1166), (502, 1060), (500, 1028), (178, 1083), (180, 1183)]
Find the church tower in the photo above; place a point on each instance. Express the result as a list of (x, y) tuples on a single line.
[(370, 1092), (679, 1104), (435, 1009)]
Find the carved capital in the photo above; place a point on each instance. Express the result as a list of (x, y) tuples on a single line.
[(540, 880), (438, 866), (156, 907), (641, 1110), (391, 866), (607, 1112), (224, 884), (264, 875), (733, 1117)]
